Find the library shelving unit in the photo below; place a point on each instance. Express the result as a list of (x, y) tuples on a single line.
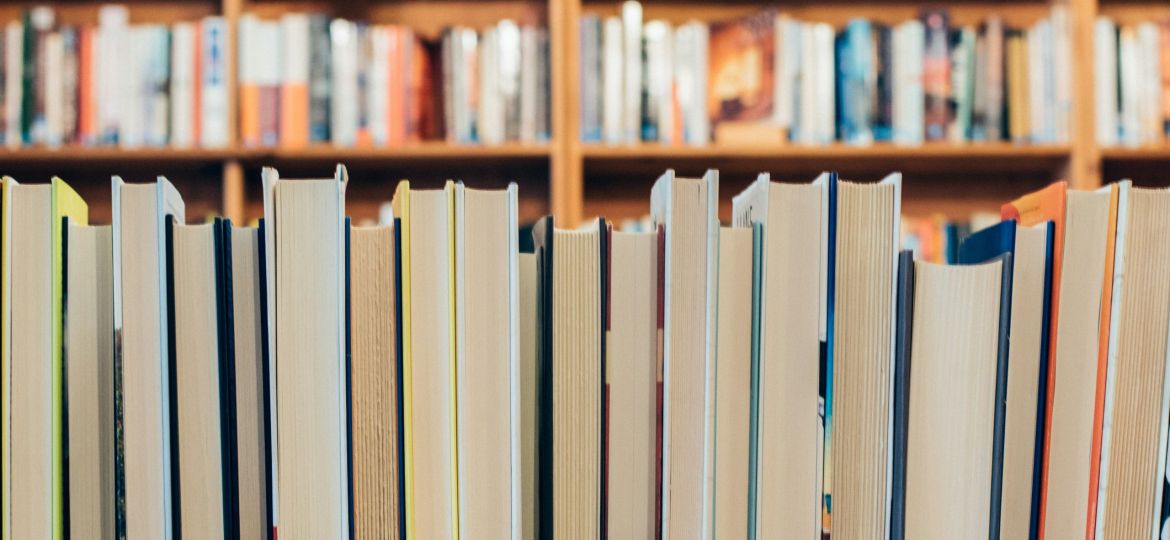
[(574, 180)]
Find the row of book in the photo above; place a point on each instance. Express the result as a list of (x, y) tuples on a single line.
[(307, 79), (304, 78), (792, 371), (113, 83), (1132, 82), (770, 77)]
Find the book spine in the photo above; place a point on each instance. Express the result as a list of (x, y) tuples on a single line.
[(294, 90), (994, 113), (590, 75), (936, 77), (319, 75), (613, 87), (182, 79), (632, 74), (214, 92), (883, 97)]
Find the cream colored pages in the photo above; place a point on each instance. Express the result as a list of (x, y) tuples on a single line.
[(1086, 227), (1027, 335), (484, 363), (374, 388), (952, 400), (89, 359), (431, 352), (252, 471), (308, 343), (576, 361), (31, 345), (858, 470), (1137, 370), (632, 359), (528, 332), (196, 337), (733, 388)]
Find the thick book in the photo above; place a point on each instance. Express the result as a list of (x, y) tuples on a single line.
[(487, 353), (958, 370), (790, 302), (687, 209), (373, 290), (143, 406), (733, 378), (571, 265), (89, 375), (860, 235), (1031, 249), (305, 280), (632, 352), (428, 359), (34, 384), (1133, 440), (202, 355)]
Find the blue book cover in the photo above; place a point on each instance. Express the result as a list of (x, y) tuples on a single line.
[(827, 349), (982, 246), (754, 426), (856, 83)]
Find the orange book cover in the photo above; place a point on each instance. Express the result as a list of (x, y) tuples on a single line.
[(396, 93), (1047, 204), (1164, 42), (250, 113), (294, 114), (86, 115), (1102, 363)]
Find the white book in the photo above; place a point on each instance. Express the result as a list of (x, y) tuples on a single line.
[(490, 119), (1105, 80), (1061, 62), (487, 353), (1130, 73), (1150, 83), (733, 394), (183, 63), (786, 60), (687, 209), (429, 359), (910, 42), (659, 77), (306, 306), (824, 75), (132, 123), (141, 327), (213, 105), (632, 356), (114, 85), (789, 350), (13, 86), (1037, 83), (89, 364), (613, 88), (377, 84), (632, 75), (54, 90), (344, 98), (516, 81), (529, 82)]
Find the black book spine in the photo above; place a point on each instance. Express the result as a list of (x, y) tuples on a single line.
[(227, 377), (172, 387), (542, 237), (1001, 375), (266, 368), (401, 425), (902, 340)]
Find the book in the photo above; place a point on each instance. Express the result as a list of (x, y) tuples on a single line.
[(202, 355), (860, 231), (487, 369), (790, 302), (1031, 250), (34, 274), (307, 276), (1133, 439), (686, 209), (374, 381), (740, 79), (733, 376), (955, 424), (429, 359), (89, 376), (294, 80), (144, 451), (857, 73), (936, 74), (252, 390), (632, 82), (632, 354), (529, 330), (572, 373), (213, 94)]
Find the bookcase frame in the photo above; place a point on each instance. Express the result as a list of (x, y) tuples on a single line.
[(575, 180)]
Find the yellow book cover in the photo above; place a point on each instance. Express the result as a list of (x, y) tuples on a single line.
[(401, 206)]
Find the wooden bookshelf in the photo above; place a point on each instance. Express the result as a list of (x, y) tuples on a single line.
[(573, 179)]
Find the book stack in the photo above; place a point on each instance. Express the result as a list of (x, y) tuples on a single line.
[(306, 78), (771, 78), (1131, 82), (794, 370), (113, 83)]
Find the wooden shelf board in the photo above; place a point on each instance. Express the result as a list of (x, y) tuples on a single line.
[(1141, 153), (419, 151), (76, 154), (842, 151)]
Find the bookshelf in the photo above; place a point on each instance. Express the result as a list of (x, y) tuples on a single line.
[(575, 180)]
